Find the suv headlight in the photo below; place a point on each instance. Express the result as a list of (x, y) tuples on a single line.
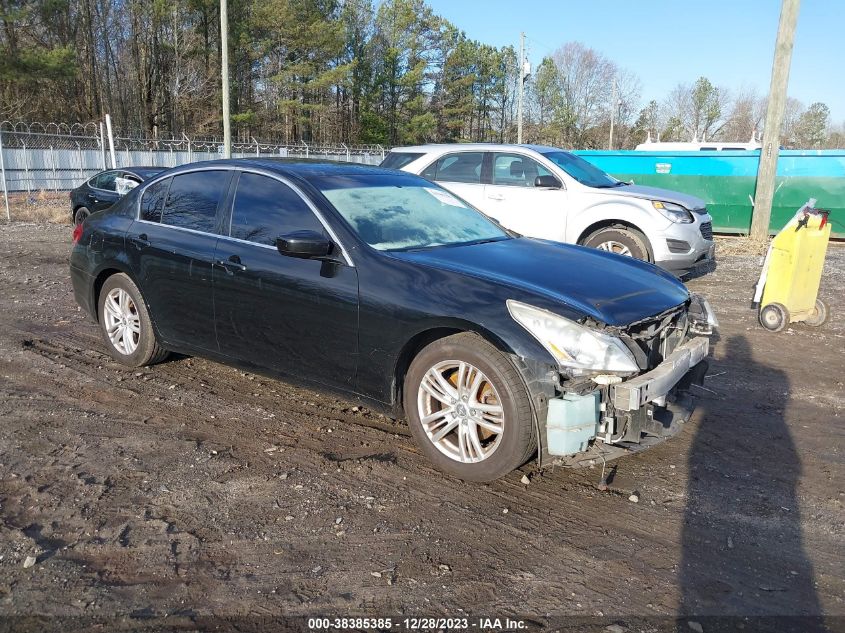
[(673, 212), (573, 346)]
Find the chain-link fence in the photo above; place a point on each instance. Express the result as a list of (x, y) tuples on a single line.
[(38, 158)]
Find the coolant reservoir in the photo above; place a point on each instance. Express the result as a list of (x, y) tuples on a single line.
[(572, 423)]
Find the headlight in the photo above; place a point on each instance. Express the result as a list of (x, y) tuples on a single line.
[(573, 346), (673, 212), (702, 318)]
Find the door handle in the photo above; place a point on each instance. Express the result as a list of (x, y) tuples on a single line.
[(495, 196), (232, 264), (140, 242)]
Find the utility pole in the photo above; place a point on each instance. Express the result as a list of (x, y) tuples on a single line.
[(224, 62), (521, 86), (3, 176), (613, 106), (111, 142), (774, 118)]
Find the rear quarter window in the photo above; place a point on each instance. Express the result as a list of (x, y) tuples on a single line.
[(458, 167), (397, 160)]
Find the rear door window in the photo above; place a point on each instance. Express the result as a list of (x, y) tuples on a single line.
[(458, 167), (266, 208), (193, 199), (152, 201), (105, 181)]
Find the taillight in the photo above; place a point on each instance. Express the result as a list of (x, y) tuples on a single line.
[(77, 233)]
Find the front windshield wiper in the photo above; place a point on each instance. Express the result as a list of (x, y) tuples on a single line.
[(425, 247), (613, 185), (482, 241)]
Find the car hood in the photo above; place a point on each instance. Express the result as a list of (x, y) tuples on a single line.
[(610, 288), (656, 193)]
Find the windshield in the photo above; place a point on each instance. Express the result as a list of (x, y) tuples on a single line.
[(405, 212), (582, 171)]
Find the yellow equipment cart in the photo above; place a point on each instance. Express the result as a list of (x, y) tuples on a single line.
[(792, 271)]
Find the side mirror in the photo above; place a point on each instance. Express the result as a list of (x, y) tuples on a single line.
[(547, 182), (304, 244)]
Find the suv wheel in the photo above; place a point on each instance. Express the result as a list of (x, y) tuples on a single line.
[(468, 408), (622, 241), (125, 324)]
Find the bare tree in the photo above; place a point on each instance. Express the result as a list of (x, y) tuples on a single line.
[(745, 116), (572, 97), (791, 116), (695, 111), (586, 83)]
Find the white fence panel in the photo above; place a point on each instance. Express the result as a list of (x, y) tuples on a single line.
[(60, 157)]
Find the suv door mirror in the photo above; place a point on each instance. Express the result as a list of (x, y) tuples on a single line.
[(547, 182), (304, 244)]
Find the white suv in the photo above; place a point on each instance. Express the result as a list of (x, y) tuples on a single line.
[(548, 193)]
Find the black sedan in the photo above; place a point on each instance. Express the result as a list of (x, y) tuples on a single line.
[(382, 286), (104, 189)]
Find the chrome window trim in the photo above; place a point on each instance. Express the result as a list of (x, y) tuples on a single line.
[(178, 228), (215, 235), (251, 170)]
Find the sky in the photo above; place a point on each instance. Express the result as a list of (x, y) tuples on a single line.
[(669, 42)]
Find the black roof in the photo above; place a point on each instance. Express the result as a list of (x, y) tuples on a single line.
[(143, 172)]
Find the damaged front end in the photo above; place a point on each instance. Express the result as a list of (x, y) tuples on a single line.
[(598, 408)]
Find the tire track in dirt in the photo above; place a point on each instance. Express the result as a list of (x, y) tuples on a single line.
[(222, 493)]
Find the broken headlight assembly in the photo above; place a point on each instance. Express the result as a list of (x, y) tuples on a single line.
[(578, 350), (702, 319)]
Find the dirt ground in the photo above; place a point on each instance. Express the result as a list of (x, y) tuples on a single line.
[(190, 495)]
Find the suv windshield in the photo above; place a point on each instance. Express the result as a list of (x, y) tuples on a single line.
[(403, 213), (582, 171)]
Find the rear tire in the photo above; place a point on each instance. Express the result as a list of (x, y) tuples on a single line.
[(622, 241), (819, 315), (774, 317), (126, 325), (468, 408), (80, 214)]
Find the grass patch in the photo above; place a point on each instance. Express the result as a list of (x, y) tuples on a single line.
[(39, 206)]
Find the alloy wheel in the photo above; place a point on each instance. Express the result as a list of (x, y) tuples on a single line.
[(122, 321), (460, 411), (613, 246)]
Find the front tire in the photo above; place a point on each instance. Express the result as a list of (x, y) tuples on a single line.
[(620, 240), (468, 408), (125, 324)]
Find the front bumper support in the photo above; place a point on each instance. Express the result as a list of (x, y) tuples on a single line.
[(632, 394)]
